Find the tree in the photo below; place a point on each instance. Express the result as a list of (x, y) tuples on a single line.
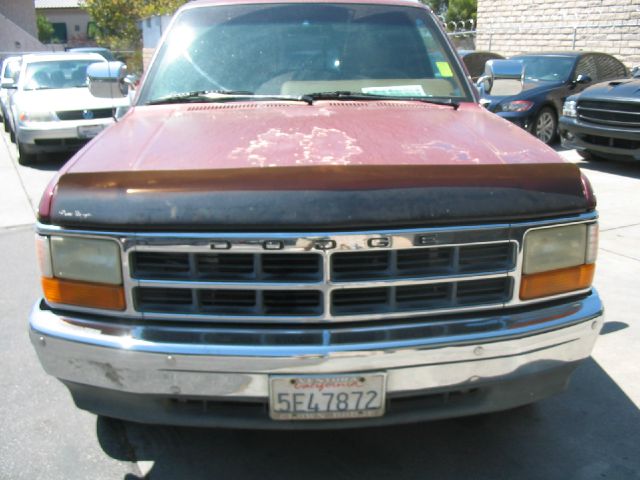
[(438, 6), (462, 10), (45, 29), (117, 22)]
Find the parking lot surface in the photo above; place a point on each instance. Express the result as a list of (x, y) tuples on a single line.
[(592, 431)]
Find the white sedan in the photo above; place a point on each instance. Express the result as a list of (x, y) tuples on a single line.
[(52, 109)]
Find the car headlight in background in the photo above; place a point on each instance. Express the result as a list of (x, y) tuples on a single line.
[(26, 117), (516, 106), (569, 109), (79, 271), (558, 260)]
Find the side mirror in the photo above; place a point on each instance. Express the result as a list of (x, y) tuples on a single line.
[(583, 79), (506, 77), (484, 84), (8, 83), (107, 79)]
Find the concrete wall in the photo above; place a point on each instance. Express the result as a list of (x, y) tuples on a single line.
[(22, 13), (514, 26), (15, 39)]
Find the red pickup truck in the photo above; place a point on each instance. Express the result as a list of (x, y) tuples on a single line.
[(307, 221)]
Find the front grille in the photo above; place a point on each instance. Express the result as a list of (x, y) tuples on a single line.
[(337, 285), (617, 114), (85, 114)]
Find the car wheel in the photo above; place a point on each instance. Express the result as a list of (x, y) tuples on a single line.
[(545, 127), (5, 123), (12, 136), (25, 158)]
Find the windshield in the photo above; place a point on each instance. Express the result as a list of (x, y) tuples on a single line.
[(547, 69), (56, 74), (300, 49)]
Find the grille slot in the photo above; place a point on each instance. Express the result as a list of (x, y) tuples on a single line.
[(80, 114), (483, 291), (359, 265), (160, 265), (291, 266)]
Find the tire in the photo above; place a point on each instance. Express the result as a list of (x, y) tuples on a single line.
[(545, 126), (6, 124), (12, 136), (25, 158)]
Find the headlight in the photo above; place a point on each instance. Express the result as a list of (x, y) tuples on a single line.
[(81, 271), (569, 109), (558, 260), (516, 106), (26, 117)]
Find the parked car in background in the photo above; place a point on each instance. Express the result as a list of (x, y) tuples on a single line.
[(475, 61), (104, 52), (52, 109), (549, 78), (604, 121), (8, 76)]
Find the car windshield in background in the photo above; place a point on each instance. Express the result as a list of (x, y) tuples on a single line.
[(57, 74), (546, 68), (292, 50)]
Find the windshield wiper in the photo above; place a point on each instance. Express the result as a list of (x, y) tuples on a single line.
[(347, 95), (221, 96)]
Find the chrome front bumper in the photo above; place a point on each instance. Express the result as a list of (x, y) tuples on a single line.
[(117, 358)]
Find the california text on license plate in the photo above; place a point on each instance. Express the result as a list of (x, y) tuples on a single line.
[(321, 397), (89, 131)]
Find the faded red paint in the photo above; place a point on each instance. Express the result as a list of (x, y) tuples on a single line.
[(262, 135)]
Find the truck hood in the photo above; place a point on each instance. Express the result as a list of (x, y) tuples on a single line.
[(331, 165), (625, 90)]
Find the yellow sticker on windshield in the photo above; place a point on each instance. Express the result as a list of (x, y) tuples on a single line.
[(445, 69)]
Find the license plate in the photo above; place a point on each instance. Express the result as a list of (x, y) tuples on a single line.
[(89, 131), (314, 397)]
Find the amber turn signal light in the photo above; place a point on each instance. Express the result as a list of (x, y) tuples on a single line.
[(555, 282), (83, 294)]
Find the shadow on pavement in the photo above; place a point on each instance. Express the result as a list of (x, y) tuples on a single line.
[(590, 432), (51, 162), (616, 167)]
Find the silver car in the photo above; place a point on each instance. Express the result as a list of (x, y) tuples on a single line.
[(8, 77), (52, 109)]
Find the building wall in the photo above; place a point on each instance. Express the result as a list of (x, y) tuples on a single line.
[(514, 26), (22, 13), (18, 32), (76, 20)]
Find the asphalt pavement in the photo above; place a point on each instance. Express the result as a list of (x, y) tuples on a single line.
[(592, 431)]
